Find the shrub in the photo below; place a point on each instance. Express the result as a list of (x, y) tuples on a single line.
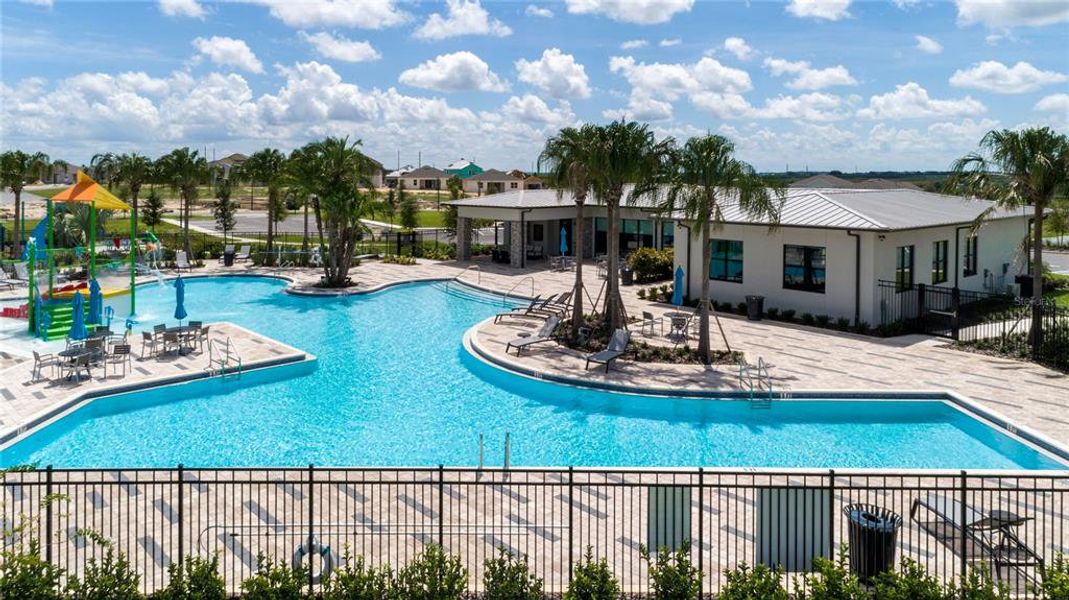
[(759, 583), (788, 315), (650, 264), (275, 581), (807, 319), (195, 579), (110, 578), (978, 585), (507, 578), (641, 294), (861, 327), (28, 575), (433, 575), (1055, 579), (672, 575), (842, 324), (357, 581), (592, 580), (823, 320), (772, 313), (740, 308), (832, 581), (913, 583)]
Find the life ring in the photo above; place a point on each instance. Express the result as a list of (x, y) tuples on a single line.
[(324, 552)]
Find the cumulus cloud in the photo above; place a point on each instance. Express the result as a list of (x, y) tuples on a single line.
[(459, 71), (911, 101), (639, 12), (739, 48), (993, 76), (829, 10), (339, 47), (533, 110), (364, 14), (556, 73), (538, 11), (669, 42), (1055, 103), (654, 86), (1000, 14), (633, 44), (927, 45), (181, 8), (229, 52), (805, 77), (44, 3), (464, 17)]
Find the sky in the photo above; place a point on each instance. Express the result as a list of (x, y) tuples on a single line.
[(798, 84)]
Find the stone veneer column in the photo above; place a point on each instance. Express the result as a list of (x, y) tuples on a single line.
[(463, 238), (516, 248)]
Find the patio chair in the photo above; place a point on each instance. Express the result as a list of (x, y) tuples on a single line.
[(149, 344), (523, 311), (181, 261), (545, 334), (245, 253), (120, 354), (649, 322), (171, 342), (96, 347), (990, 534), (41, 361), (201, 337), (76, 366), (616, 348)]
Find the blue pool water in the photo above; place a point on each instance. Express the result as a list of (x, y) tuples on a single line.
[(393, 385)]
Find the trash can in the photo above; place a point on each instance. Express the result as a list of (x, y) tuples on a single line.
[(228, 258), (1026, 283), (755, 307), (627, 276), (873, 533)]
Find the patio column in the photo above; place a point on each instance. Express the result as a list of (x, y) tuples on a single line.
[(588, 238), (463, 238), (516, 248)]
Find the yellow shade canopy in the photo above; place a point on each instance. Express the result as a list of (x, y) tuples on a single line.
[(87, 191)]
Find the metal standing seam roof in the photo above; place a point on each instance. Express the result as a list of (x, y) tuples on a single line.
[(872, 210)]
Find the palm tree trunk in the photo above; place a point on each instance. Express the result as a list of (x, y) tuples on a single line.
[(577, 246), (1037, 280), (304, 242), (703, 302), (269, 256), (187, 200), (614, 317), (16, 235)]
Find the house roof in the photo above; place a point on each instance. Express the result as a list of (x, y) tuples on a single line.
[(872, 210), (826, 181), (822, 181), (399, 172), (236, 158), (427, 172), (493, 175), (460, 164)]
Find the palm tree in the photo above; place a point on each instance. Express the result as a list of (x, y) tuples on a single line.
[(624, 153), (704, 176), (184, 169), (568, 156), (104, 167), (1017, 169), (134, 170), (267, 167), (299, 177), (15, 168)]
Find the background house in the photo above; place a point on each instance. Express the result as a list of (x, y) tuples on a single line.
[(392, 177), (492, 182), (463, 168), (425, 178)]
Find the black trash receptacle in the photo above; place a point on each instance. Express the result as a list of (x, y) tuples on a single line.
[(1025, 281), (228, 258), (755, 307), (627, 276), (873, 534)]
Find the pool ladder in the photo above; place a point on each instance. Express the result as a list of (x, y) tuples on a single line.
[(757, 382), (223, 360), (508, 451)]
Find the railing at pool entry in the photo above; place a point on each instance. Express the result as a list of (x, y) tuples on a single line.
[(951, 522)]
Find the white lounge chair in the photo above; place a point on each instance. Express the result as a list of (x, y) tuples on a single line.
[(181, 261), (244, 253)]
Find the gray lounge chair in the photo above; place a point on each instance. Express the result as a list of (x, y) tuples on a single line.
[(244, 253), (525, 311), (616, 348), (545, 334), (181, 261)]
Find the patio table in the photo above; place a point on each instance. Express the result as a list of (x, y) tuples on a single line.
[(679, 321), (73, 354), (184, 332)]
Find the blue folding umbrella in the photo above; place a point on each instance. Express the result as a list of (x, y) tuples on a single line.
[(563, 242), (78, 331), (677, 291), (96, 302), (180, 299)]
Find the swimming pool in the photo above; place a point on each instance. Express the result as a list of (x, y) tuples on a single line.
[(393, 385)]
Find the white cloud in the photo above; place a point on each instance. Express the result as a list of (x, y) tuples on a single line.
[(454, 72), (640, 12), (555, 73), (533, 110), (830, 10), (538, 11), (669, 42), (807, 78), (465, 17), (1055, 103), (812, 107), (315, 93), (655, 86), (44, 3), (364, 14), (993, 76), (911, 101), (229, 52), (904, 4), (633, 44), (1000, 14), (927, 45), (739, 48), (340, 48), (182, 8)]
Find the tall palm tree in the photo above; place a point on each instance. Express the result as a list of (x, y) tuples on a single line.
[(16, 167), (299, 177), (104, 167), (704, 177), (134, 170), (624, 153), (568, 156), (267, 167), (1017, 169), (184, 169)]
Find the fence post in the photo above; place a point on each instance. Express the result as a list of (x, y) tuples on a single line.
[(963, 516), (311, 525), (181, 498), (571, 533), (441, 506), (1037, 327), (48, 514), (955, 306), (701, 518), (831, 513), (922, 293)]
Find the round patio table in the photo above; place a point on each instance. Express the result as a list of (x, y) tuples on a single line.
[(679, 322), (183, 332)]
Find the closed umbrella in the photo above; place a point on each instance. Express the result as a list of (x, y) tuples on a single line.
[(96, 302), (78, 331), (563, 242), (677, 291), (180, 299)]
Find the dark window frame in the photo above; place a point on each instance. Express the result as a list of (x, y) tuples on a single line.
[(904, 272), (940, 261), (723, 256), (972, 255), (810, 281)]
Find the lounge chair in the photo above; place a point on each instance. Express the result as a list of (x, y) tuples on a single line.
[(991, 535), (244, 253), (524, 311), (181, 261), (560, 307), (545, 334), (617, 346)]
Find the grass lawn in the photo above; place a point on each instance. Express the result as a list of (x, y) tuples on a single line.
[(1060, 297), (118, 226)]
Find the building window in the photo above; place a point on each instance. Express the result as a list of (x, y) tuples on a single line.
[(904, 268), (971, 252), (804, 268), (538, 232), (513, 185), (668, 234), (939, 262), (726, 263)]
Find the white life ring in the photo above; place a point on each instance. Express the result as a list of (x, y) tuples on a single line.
[(324, 552)]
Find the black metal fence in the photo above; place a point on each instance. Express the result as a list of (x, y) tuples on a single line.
[(1008, 524)]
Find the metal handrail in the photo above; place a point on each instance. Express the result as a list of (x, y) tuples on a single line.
[(505, 297), (478, 280)]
